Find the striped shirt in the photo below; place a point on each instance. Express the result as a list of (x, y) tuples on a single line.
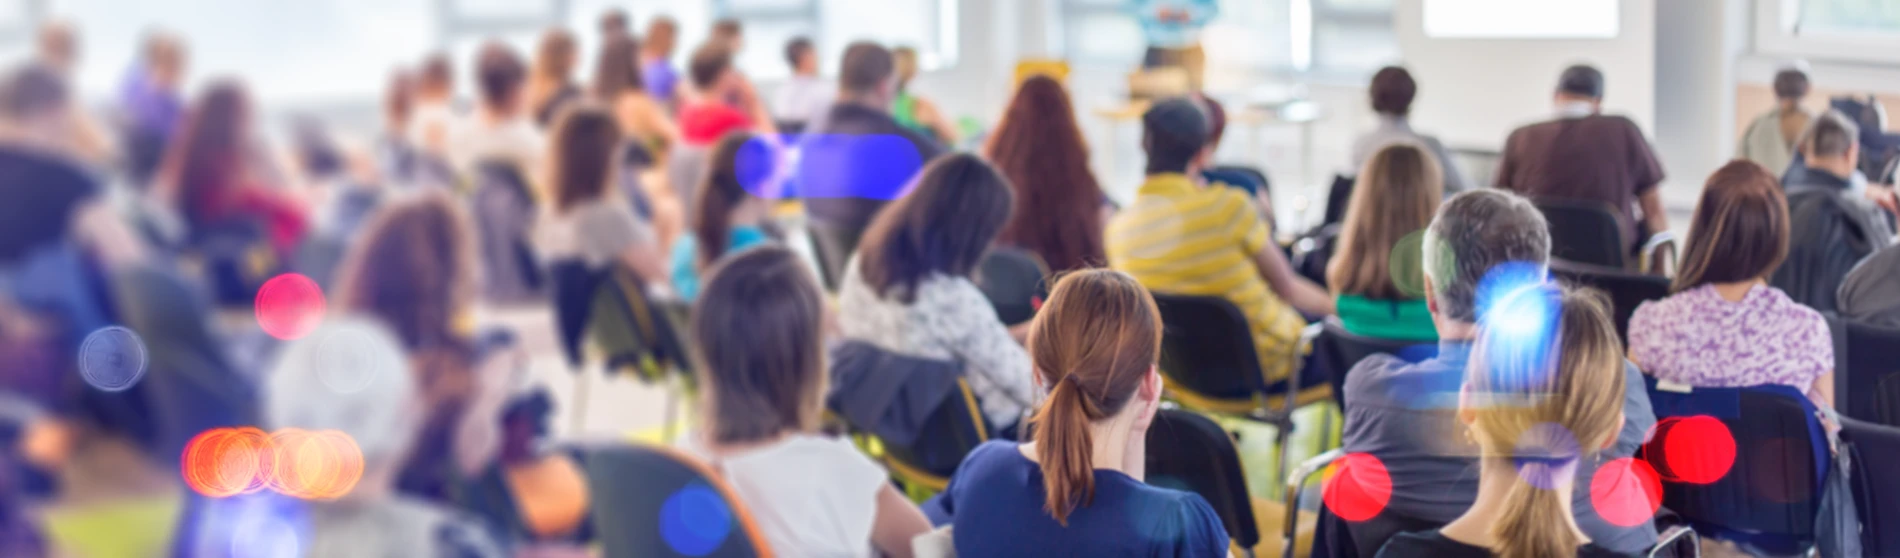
[(1183, 238)]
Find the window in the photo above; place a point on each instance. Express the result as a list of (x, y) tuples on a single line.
[(1838, 30), (1324, 36), (1835, 17)]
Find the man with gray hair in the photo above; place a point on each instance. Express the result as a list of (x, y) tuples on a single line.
[(1832, 224), (1405, 413)]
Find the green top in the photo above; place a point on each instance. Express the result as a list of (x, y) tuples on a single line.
[(1404, 320), (135, 528), (904, 111)]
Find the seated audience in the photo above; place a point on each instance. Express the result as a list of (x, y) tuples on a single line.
[(1534, 417), (51, 196), (1392, 91), (909, 289), (56, 46), (1060, 209), (1584, 155), (1770, 139), (589, 219), (1406, 414), (804, 96), (867, 87), (725, 101), (913, 111), (152, 103), (1725, 326), (613, 23), (1397, 192), (1216, 130), (214, 173), (1077, 490), (400, 162), (436, 115), (500, 130), (371, 519), (730, 218), (1871, 293), (728, 32), (656, 60), (617, 85), (1832, 226), (1182, 236), (551, 86), (758, 330)]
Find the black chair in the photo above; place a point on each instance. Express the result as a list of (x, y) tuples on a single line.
[(604, 309), (1336, 351), (1626, 290), (1244, 177), (634, 159), (638, 493), (505, 207), (1588, 232), (1872, 449), (190, 384), (951, 432), (234, 257), (921, 411), (1015, 281), (833, 244), (1338, 537), (1338, 196), (1770, 496), (1188, 452), (1871, 374)]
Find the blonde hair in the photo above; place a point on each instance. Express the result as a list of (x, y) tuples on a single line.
[(1539, 401), (905, 60), (1396, 195)]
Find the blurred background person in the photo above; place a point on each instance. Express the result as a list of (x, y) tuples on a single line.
[(1392, 91), (152, 105), (1395, 196), (867, 89), (618, 86), (551, 84), (501, 130), (656, 60), (730, 218), (805, 95), (53, 191), (730, 33), (589, 219), (1770, 139), (1060, 209), (725, 101), (435, 111), (1833, 224), (914, 111), (1172, 29), (215, 173), (614, 23)]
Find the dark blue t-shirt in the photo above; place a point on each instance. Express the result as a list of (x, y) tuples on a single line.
[(995, 502)]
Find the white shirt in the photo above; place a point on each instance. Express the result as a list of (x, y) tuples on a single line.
[(810, 495), (515, 140), (802, 99)]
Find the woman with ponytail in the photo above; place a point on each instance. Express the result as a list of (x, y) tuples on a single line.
[(728, 217), (1539, 397), (1077, 489)]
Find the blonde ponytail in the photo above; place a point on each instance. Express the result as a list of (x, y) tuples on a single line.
[(1532, 526)]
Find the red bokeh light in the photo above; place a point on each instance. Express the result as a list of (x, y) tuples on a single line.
[(225, 462), (289, 306), (1695, 450), (1626, 492), (1359, 489)]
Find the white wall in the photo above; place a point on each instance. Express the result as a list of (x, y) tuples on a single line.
[(1697, 44), (1472, 92)]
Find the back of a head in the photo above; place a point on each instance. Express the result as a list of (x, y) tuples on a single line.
[(867, 68), (437, 75), (737, 160), (1395, 195), (582, 152), (709, 64), (617, 68), (1039, 147), (207, 153), (413, 267), (904, 60), (1392, 91), (613, 23), (1791, 84), (1740, 229), (1174, 132), (796, 50), (662, 32), (399, 97), (1581, 80), (944, 226), (1830, 135), (1092, 344), (499, 74), (350, 375), (1216, 117), (555, 56), (757, 331), (32, 92), (1473, 233), (728, 30), (1544, 390)]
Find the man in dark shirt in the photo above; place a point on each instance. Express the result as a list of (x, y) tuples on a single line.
[(1583, 155), (854, 161), (45, 191), (1405, 414), (1832, 223)]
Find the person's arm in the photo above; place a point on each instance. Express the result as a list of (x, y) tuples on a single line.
[(1291, 287), (979, 340), (1822, 390), (1653, 215), (928, 114), (897, 522)]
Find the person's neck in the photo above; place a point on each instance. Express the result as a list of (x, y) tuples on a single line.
[(1735, 292), (865, 100), (1837, 166), (750, 213), (497, 116), (1454, 330), (1112, 448), (1788, 105), (1496, 478)]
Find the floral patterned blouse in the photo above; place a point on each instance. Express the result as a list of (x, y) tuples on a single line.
[(1698, 338)]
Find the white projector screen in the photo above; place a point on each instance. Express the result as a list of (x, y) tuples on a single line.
[(1521, 19)]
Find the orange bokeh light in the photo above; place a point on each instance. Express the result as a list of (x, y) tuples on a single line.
[(319, 465)]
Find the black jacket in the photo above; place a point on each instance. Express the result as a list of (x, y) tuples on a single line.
[(888, 394), (1832, 229)]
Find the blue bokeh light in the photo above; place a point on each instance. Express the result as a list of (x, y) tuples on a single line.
[(695, 521), (829, 166), (1518, 309)]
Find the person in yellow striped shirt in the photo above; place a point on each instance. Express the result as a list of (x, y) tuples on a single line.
[(1183, 236)]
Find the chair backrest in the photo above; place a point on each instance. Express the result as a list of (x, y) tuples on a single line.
[(685, 168), (1585, 232), (1187, 451), (954, 429), (1627, 290), (1873, 448), (572, 284), (1241, 176), (505, 208), (1015, 281), (1338, 196), (1207, 347), (1872, 374), (190, 384), (631, 330), (834, 244), (1336, 351), (635, 159), (1770, 495), (651, 501)]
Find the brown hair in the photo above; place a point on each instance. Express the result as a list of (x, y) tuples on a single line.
[(944, 226), (867, 66), (581, 152), (1092, 344), (1396, 194), (1743, 217), (555, 56), (205, 160), (499, 73), (727, 29), (1791, 84), (617, 69), (904, 62), (721, 191), (662, 32), (437, 74), (1039, 147), (1516, 389), (399, 99), (757, 331), (613, 22), (709, 63), (1392, 91)]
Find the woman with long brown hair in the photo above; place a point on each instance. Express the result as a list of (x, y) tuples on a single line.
[(729, 218), (589, 219), (1738, 237), (551, 82), (215, 172), (618, 86), (1078, 490), (1060, 209), (1396, 194), (1534, 405)]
